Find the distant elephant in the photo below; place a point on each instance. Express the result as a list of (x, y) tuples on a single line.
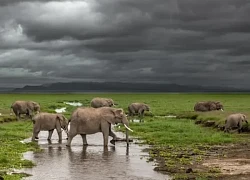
[(25, 107), (235, 120), (48, 122), (101, 102), (208, 106), (138, 108), (90, 120)]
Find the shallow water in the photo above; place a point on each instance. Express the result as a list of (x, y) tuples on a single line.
[(73, 103), (60, 110), (90, 162)]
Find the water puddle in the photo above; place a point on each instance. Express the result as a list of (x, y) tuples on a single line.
[(168, 116), (136, 120), (89, 162), (60, 110), (73, 103)]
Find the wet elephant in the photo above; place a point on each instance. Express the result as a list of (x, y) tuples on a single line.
[(235, 121), (25, 107), (101, 102), (49, 122), (90, 120), (204, 106)]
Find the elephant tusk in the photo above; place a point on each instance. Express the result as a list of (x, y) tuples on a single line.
[(128, 128), (221, 109)]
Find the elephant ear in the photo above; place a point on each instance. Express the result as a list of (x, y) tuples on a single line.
[(244, 117), (117, 114), (58, 117)]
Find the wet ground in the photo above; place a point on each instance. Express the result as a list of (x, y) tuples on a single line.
[(90, 162)]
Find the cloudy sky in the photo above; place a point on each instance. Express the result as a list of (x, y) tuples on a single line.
[(201, 42)]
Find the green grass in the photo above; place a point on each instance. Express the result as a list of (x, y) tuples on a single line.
[(183, 132), (172, 138), (11, 148)]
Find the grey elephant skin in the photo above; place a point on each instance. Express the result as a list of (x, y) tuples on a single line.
[(48, 122), (138, 108), (235, 121), (90, 120), (204, 106), (25, 107), (101, 102)]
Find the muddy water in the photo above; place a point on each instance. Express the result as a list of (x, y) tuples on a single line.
[(90, 162)]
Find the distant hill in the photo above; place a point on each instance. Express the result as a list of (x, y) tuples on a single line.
[(3, 90), (120, 87)]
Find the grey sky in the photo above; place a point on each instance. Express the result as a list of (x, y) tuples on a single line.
[(173, 41)]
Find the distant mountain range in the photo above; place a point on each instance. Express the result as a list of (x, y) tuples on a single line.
[(121, 87)]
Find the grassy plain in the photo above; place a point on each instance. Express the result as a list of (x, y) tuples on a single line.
[(179, 143)]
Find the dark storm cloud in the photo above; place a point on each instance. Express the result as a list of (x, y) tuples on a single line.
[(176, 41)]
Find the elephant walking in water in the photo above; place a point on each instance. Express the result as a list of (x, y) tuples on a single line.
[(25, 107), (90, 120), (49, 122), (235, 121)]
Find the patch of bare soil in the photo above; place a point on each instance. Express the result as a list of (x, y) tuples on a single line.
[(228, 162), (235, 164)]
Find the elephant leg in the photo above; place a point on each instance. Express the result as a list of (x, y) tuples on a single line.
[(105, 133), (113, 135), (18, 115), (239, 129), (59, 132), (35, 134), (84, 139), (29, 113), (50, 134), (140, 114)]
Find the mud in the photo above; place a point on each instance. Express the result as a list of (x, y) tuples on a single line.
[(231, 161), (235, 163), (90, 162)]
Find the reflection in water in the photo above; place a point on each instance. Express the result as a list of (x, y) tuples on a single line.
[(89, 162)]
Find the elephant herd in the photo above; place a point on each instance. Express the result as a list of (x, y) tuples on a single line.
[(83, 120), (99, 117), (232, 121)]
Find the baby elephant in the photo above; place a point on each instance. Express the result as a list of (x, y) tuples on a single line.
[(49, 122), (235, 120), (138, 108)]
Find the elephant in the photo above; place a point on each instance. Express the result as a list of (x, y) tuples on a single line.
[(204, 106), (138, 108), (25, 107), (48, 122), (235, 120), (89, 120), (101, 102)]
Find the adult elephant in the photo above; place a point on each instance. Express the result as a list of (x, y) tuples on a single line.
[(101, 102), (25, 107), (235, 121), (48, 122), (208, 106), (90, 120), (138, 108)]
